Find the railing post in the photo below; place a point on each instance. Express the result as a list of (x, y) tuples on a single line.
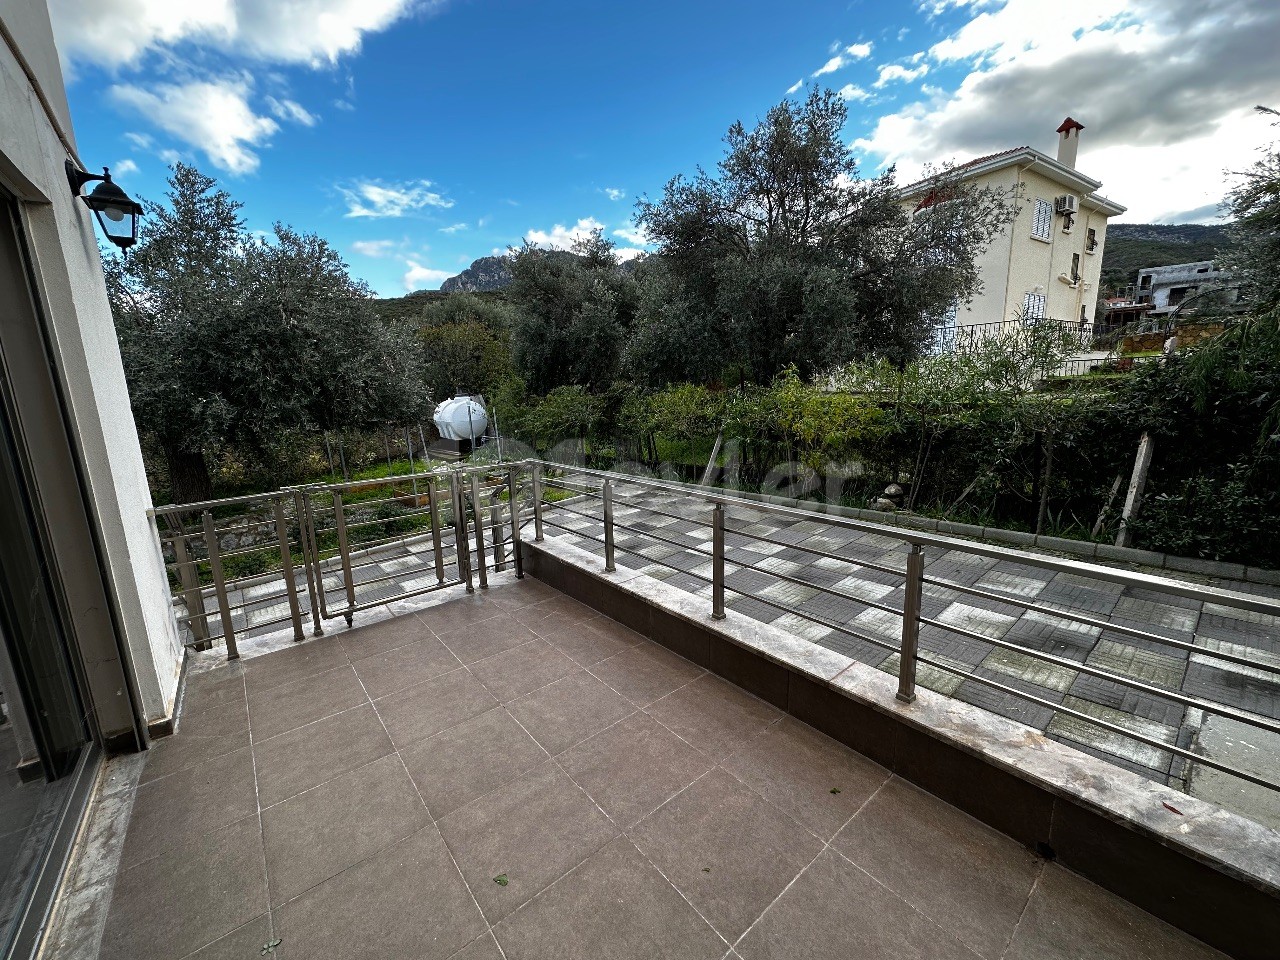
[(478, 509), (910, 625), (717, 563), (340, 521), (607, 495), (537, 503), (460, 530), (434, 512), (495, 534), (192, 593), (286, 568), (513, 500), (311, 559), (219, 585)]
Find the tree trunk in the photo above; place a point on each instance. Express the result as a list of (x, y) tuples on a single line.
[(189, 480), (1046, 478)]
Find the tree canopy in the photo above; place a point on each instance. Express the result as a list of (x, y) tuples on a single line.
[(466, 344), (1255, 204), (787, 257), (233, 340), (575, 312)]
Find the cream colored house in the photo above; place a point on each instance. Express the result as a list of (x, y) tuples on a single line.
[(1047, 262)]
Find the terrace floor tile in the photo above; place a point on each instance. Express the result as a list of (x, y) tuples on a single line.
[(319, 833), (727, 850), (966, 877), (467, 761), (803, 923), (616, 904), (812, 778), (633, 767), (406, 903), (424, 710), (569, 711), (529, 833)]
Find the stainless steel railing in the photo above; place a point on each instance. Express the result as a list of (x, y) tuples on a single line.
[(321, 551), (583, 488), (250, 565)]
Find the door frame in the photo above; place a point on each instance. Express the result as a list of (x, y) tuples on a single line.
[(64, 517)]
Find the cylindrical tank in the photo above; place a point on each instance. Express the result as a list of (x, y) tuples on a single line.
[(461, 418)]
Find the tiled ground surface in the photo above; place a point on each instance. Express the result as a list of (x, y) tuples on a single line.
[(512, 776), (1214, 628)]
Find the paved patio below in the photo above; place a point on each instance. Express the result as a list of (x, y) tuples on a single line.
[(682, 561), (511, 775)]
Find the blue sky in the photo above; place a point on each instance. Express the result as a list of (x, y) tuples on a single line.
[(417, 136)]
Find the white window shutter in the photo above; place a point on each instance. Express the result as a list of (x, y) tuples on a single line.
[(1042, 220)]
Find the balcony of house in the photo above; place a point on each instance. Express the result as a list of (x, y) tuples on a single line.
[(551, 712)]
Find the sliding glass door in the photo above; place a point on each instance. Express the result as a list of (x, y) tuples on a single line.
[(46, 752)]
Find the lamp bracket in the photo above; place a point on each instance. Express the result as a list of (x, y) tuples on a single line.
[(77, 178)]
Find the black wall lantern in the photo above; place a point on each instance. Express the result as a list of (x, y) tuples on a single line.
[(116, 211)]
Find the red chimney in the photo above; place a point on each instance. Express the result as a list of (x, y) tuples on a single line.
[(1069, 141)]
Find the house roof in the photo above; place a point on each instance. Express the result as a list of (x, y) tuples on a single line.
[(1024, 156)]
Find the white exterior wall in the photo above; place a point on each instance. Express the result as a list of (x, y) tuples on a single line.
[(1162, 281), (61, 234), (1018, 263)]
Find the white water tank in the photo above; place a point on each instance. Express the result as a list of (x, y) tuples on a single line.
[(461, 418)]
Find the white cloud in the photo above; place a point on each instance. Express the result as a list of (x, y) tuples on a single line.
[(291, 110), (116, 33), (419, 277), (373, 198), (851, 91), (561, 237), (856, 51), (374, 248), (634, 235), (454, 228), (211, 115), (623, 254), (169, 157), (795, 87), (831, 66), (614, 193), (139, 140), (891, 72), (123, 168), (344, 105), (935, 8), (1164, 87)]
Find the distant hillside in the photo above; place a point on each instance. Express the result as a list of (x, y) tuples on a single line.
[(408, 306), (483, 276), (493, 273), (411, 305), (1132, 246)]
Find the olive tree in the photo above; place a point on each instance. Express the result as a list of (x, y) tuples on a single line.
[(575, 312), (1255, 204), (231, 340), (786, 256)]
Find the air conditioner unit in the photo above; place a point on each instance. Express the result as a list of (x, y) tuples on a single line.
[(1066, 204)]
